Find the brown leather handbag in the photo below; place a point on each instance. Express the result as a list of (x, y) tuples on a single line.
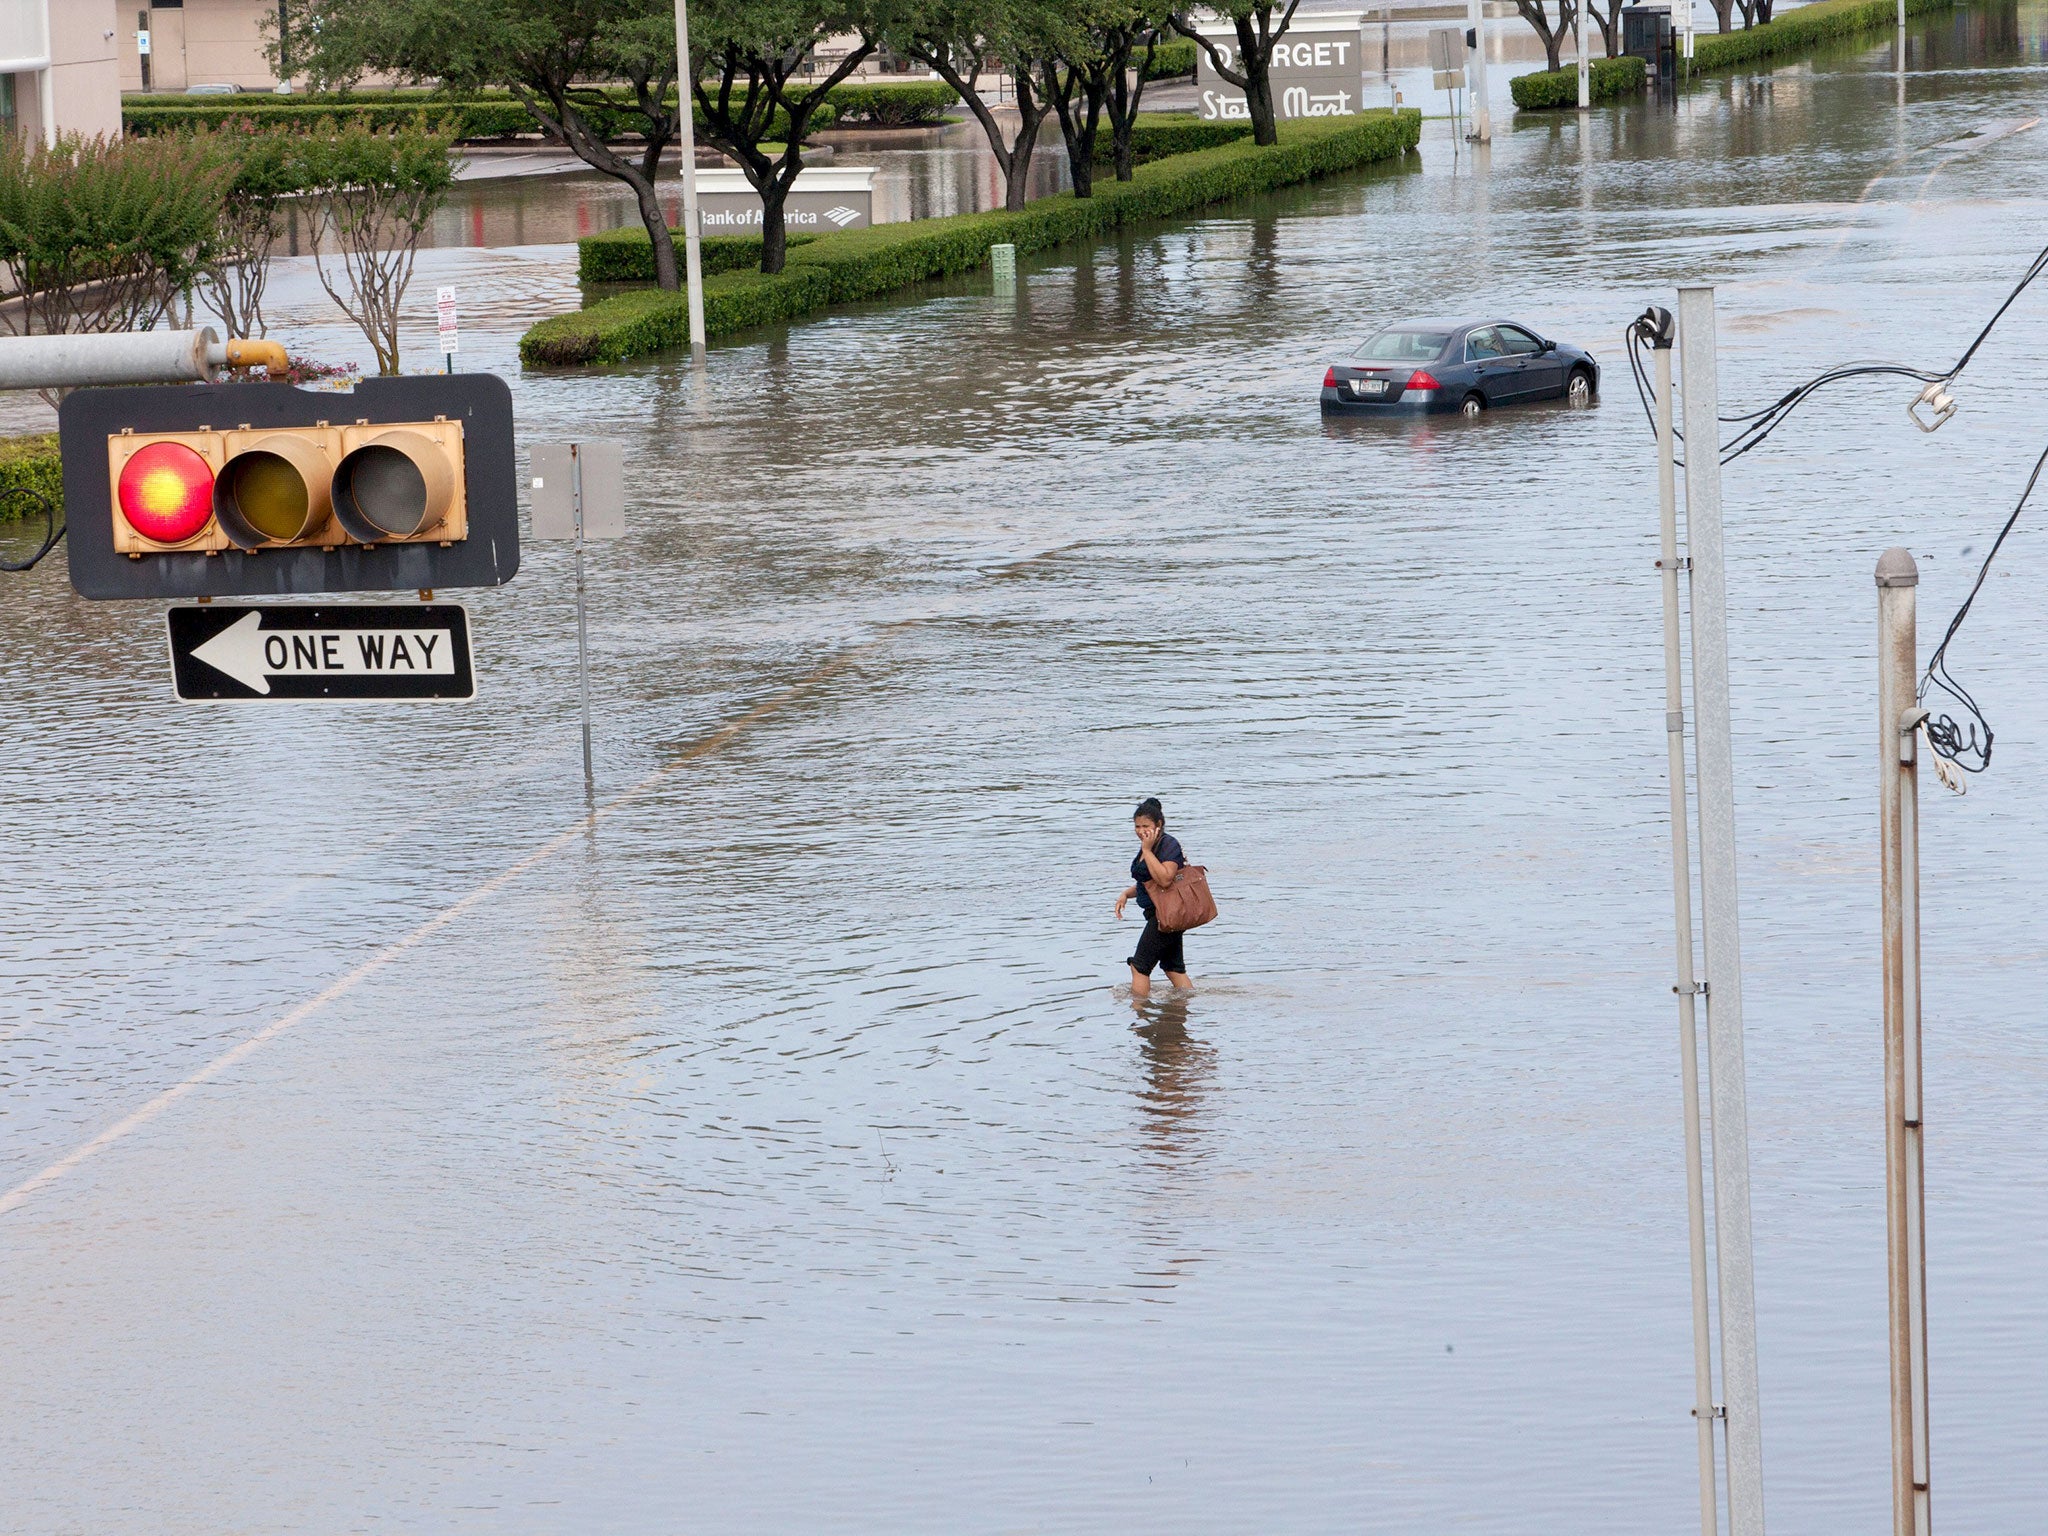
[(1184, 904)]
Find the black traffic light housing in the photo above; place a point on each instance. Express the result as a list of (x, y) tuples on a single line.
[(404, 483)]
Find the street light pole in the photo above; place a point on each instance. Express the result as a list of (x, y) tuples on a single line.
[(1714, 757), (1475, 72), (1688, 988), (686, 130), (1585, 74)]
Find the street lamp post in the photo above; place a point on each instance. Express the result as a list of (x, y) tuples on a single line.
[(686, 128)]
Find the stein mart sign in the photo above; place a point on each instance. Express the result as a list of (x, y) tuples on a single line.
[(821, 199), (1316, 69)]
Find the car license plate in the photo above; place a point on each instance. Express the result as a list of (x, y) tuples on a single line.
[(1370, 386)]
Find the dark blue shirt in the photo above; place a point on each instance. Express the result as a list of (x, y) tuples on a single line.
[(1166, 851)]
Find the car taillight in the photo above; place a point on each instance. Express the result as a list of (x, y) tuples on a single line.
[(1329, 378), (1422, 378)]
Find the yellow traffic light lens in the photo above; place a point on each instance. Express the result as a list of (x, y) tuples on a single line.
[(388, 489), (166, 492), (273, 491), (269, 494)]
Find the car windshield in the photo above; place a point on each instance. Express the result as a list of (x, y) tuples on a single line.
[(1403, 346)]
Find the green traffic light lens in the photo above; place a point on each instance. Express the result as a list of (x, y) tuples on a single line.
[(388, 489), (270, 494)]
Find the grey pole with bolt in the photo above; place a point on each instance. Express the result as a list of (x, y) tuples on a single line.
[(1714, 752), (1899, 718), (686, 132), (1687, 987)]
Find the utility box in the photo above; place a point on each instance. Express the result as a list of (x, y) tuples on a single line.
[(1646, 33)]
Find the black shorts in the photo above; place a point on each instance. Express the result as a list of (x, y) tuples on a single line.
[(1160, 949)]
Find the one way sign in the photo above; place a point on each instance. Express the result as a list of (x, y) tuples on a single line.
[(341, 652)]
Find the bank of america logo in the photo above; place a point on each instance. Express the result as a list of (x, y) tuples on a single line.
[(842, 215)]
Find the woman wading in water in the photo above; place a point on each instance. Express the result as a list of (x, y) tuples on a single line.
[(1159, 859)]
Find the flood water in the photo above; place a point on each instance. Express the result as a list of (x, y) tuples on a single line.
[(778, 1148)]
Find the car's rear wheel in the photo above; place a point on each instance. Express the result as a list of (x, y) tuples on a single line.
[(1578, 389), (1474, 404)]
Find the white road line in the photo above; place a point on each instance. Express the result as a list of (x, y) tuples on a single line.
[(123, 1128)]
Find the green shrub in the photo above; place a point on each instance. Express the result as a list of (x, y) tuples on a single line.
[(860, 263), (1171, 59), (1796, 30), (1156, 135), (414, 96), (653, 319), (627, 255), (469, 119), (30, 463), (893, 106), (1608, 80)]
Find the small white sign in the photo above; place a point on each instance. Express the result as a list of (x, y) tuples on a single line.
[(444, 310), (142, 43)]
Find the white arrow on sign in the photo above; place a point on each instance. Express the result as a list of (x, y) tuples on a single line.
[(252, 655)]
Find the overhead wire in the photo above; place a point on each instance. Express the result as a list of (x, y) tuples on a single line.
[(1965, 742)]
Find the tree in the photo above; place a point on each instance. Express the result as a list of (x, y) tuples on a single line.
[(378, 193), (106, 234), (1127, 89), (1256, 35), (1088, 73), (747, 55), (1553, 37), (1609, 23), (955, 39), (586, 70), (265, 168)]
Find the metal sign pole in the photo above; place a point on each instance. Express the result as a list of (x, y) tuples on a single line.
[(582, 628), (1714, 753), (1687, 987), (1899, 717)]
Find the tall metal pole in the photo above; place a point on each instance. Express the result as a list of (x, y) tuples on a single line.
[(1687, 987), (1475, 72), (582, 629), (1585, 68), (1715, 756), (686, 131), (1899, 716)]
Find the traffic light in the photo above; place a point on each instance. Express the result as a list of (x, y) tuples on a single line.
[(245, 489)]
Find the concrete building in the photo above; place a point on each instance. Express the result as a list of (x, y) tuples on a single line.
[(195, 42), (59, 69)]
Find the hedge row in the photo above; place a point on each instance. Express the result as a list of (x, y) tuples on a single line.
[(1156, 135), (1171, 59), (627, 255), (30, 463), (1795, 31), (894, 106), (861, 263), (469, 119), (498, 114), (1607, 80)]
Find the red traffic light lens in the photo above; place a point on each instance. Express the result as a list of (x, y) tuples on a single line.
[(166, 492)]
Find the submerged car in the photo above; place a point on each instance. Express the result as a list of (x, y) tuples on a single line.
[(1458, 365)]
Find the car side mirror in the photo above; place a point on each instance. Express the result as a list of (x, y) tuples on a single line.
[(1547, 346)]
